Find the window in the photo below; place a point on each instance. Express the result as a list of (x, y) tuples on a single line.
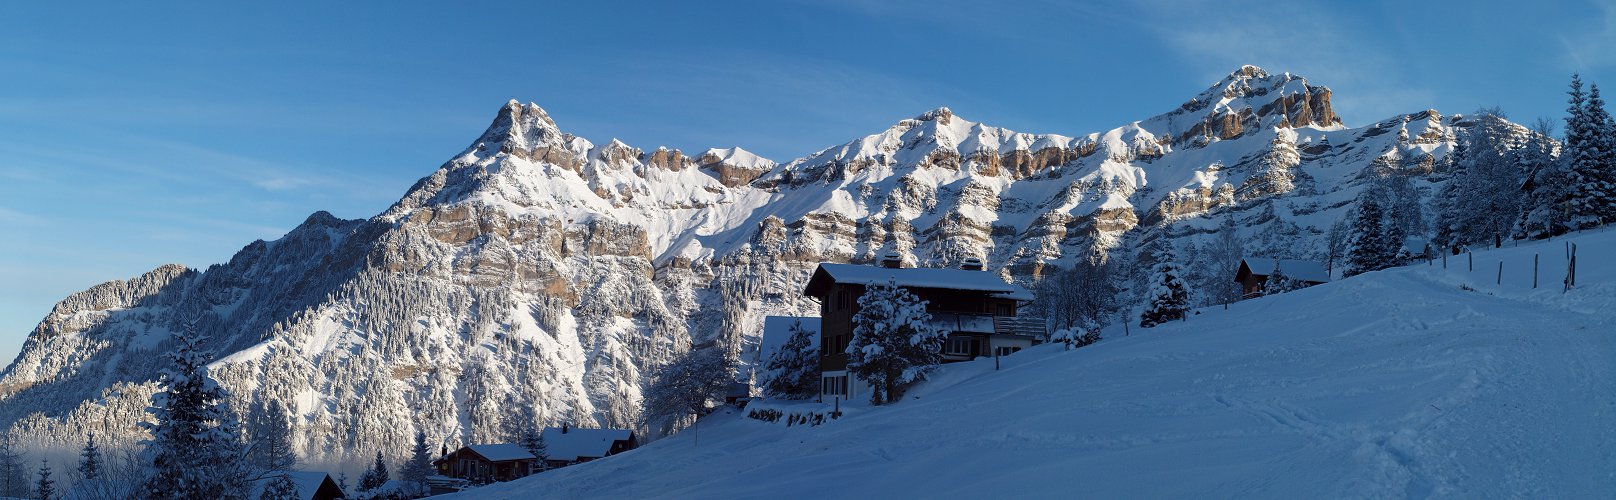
[(1005, 350), (960, 346), (833, 386), (1005, 310)]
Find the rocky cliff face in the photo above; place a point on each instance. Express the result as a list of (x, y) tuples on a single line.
[(538, 277)]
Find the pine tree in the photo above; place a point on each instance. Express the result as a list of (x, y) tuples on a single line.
[(894, 343), (1368, 252), (1589, 156), (45, 489), (793, 370), (533, 441), (419, 467), (376, 476), (282, 487), (1169, 301), (90, 460), (193, 452)]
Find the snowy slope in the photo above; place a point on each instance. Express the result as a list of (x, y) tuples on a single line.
[(1391, 384)]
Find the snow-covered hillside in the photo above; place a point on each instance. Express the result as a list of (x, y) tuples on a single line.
[(538, 277), (1413, 382)]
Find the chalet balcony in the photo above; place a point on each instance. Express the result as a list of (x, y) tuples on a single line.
[(1020, 325), (990, 324)]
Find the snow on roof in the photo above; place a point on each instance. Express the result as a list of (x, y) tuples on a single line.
[(500, 452), (777, 330), (580, 443), (307, 481), (1305, 270), (956, 279)]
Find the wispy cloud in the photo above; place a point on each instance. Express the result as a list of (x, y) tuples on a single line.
[(16, 217), (1592, 49)]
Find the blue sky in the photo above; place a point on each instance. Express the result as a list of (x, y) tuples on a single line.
[(134, 135)]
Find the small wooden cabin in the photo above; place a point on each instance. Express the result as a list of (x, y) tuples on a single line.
[(1254, 273), (564, 446), (487, 462)]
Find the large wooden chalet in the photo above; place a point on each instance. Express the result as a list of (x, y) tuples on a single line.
[(564, 446), (977, 308), (1254, 272)]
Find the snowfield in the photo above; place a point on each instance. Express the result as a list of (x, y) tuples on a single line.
[(1392, 384)]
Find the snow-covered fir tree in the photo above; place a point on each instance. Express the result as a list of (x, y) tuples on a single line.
[(419, 466), (194, 450), (1168, 298), (793, 370), (894, 343), (90, 459), (1590, 152), (376, 476), (1370, 250), (532, 440), (686, 389), (45, 487)]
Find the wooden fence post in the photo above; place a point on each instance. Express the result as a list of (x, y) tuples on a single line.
[(1472, 257), (1534, 271), (1500, 273)]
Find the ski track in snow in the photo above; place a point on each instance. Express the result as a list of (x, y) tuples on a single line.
[(1396, 384)]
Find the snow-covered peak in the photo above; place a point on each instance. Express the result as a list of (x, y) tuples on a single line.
[(736, 157), (519, 128)]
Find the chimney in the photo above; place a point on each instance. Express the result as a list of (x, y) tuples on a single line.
[(892, 260), (972, 264)]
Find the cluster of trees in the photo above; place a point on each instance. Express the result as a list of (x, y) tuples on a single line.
[(1508, 184), (1577, 189)]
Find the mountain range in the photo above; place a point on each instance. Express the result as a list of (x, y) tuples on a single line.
[(539, 277)]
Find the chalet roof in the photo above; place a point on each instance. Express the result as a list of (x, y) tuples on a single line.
[(581, 443), (954, 279), (777, 330), (500, 452), (1305, 270)]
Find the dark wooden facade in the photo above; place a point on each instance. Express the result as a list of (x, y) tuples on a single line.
[(839, 303)]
